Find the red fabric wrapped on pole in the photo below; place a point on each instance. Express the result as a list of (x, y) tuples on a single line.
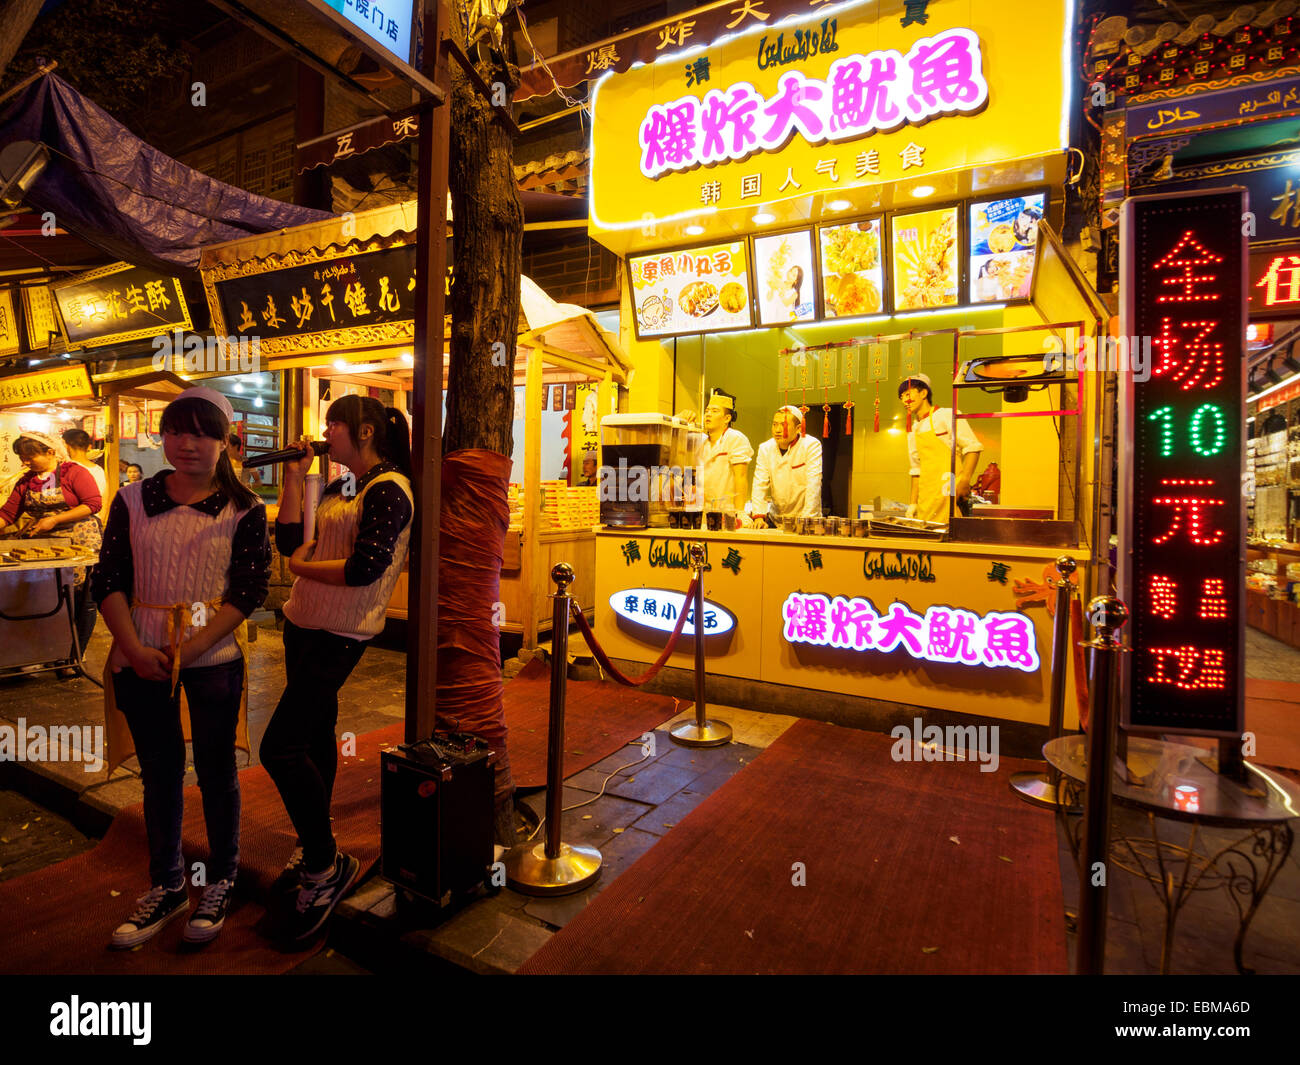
[(472, 536)]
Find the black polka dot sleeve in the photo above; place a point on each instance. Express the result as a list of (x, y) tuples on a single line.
[(288, 536), (385, 512), (115, 571), (250, 562)]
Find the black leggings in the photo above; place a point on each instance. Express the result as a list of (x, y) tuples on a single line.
[(299, 749)]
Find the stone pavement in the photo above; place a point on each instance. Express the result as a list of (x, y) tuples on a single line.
[(497, 932)]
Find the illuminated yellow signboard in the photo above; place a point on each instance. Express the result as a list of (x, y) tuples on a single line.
[(826, 103)]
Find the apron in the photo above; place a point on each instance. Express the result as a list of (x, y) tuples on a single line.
[(87, 535), (936, 460), (119, 744)]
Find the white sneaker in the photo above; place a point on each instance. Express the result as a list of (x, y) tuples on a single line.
[(153, 910)]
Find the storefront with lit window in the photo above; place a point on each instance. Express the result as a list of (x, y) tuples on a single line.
[(811, 211)]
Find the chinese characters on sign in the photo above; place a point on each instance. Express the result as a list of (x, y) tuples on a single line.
[(45, 386), (660, 608), (943, 634), (674, 292), (120, 302), (1183, 582), (358, 290), (861, 94)]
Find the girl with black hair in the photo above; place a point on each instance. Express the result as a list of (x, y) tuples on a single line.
[(336, 607), (185, 561)]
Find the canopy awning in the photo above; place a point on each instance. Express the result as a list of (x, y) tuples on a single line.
[(126, 197)]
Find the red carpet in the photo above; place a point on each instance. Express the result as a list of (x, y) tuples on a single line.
[(58, 920), (599, 718), (887, 889)]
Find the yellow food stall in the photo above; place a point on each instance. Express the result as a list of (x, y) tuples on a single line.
[(810, 227)]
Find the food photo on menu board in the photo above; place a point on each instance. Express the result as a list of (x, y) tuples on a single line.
[(783, 265), (696, 291), (1003, 243), (925, 259), (853, 269)]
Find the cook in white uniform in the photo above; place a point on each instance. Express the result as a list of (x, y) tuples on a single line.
[(929, 451), (724, 457), (788, 475)]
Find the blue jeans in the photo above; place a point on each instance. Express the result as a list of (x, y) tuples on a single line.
[(213, 693)]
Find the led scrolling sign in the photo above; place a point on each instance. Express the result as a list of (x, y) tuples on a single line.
[(1182, 577)]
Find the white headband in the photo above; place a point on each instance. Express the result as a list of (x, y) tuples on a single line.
[(210, 395)]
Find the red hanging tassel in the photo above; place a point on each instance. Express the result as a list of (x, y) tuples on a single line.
[(826, 420), (804, 408), (875, 422), (848, 413)]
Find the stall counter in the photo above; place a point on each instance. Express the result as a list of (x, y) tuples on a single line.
[(953, 626)]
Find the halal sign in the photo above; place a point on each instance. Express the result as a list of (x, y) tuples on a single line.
[(1181, 569)]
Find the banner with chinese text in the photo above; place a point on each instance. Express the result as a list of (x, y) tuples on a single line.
[(46, 386), (695, 290), (825, 104)]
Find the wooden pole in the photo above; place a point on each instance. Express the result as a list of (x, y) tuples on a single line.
[(426, 395)]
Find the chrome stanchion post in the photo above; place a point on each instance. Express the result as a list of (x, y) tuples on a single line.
[(554, 867), (701, 732), (1106, 614), (1041, 788)]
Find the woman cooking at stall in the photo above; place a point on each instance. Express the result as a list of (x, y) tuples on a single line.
[(57, 498), (929, 450)]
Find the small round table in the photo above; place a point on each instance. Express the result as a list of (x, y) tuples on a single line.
[(1176, 785)]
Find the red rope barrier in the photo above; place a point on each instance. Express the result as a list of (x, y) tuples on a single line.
[(658, 663)]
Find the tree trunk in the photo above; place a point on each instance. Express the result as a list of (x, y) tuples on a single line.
[(16, 18), (477, 438)]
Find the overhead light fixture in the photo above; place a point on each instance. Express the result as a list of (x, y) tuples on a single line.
[(340, 365), (408, 358), (257, 401), (922, 191), (21, 163), (694, 231), (839, 205), (764, 218), (237, 387)]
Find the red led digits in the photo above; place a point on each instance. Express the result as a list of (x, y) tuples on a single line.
[(1197, 668), (1187, 513), (1164, 597), (1201, 362), (1214, 600), (1190, 258)]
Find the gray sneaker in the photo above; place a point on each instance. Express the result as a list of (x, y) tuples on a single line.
[(317, 898)]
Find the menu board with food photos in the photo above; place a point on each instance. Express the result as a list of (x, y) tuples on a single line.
[(784, 278), (1003, 240), (853, 269), (698, 290)]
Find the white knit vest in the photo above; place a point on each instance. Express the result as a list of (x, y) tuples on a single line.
[(180, 556), (353, 611)]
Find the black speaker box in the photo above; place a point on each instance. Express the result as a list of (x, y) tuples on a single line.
[(435, 803)]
